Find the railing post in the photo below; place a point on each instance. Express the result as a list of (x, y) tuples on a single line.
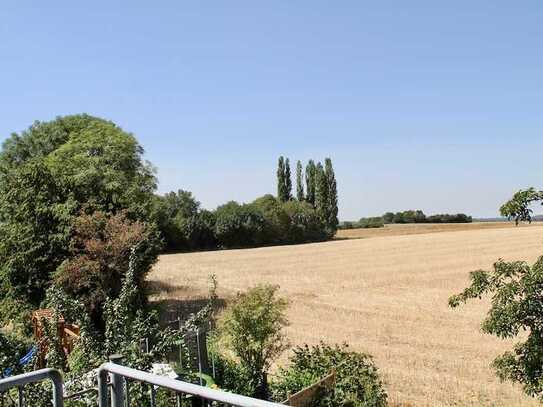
[(117, 383)]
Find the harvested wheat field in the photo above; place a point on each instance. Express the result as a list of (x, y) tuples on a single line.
[(383, 295)]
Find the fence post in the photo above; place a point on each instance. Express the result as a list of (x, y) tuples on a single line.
[(117, 383)]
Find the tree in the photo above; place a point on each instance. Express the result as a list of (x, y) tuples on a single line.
[(47, 174), (175, 213), (288, 180), (516, 309), (282, 193), (252, 328), (35, 227), (332, 220), (239, 225), (388, 217), (310, 181), (321, 193), (518, 207), (299, 182)]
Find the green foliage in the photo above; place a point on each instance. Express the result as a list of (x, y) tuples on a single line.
[(304, 223), (288, 180), (284, 181), (448, 218), (182, 223), (310, 181), (48, 173), (357, 379), (239, 225), (299, 182), (100, 245), (418, 216), (518, 207), (252, 329), (516, 310), (332, 197), (12, 349), (101, 165), (374, 222), (282, 193), (34, 225), (388, 217)]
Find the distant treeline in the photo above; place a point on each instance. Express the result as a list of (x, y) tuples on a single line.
[(411, 216), (308, 216)]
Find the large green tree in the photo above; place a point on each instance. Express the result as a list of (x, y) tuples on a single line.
[(48, 173)]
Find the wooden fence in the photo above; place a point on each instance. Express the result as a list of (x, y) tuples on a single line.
[(306, 397)]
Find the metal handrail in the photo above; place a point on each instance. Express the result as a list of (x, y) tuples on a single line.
[(119, 372), (34, 377)]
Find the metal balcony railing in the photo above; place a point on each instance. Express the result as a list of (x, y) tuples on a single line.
[(119, 373), (21, 380), (113, 390)]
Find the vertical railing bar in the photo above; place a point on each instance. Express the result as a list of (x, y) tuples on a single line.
[(152, 395), (127, 397), (21, 401), (199, 355), (180, 346)]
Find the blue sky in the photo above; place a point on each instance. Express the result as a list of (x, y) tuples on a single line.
[(420, 104)]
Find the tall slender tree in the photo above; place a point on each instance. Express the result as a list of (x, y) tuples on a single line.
[(310, 171), (332, 208), (282, 194), (288, 180), (321, 192), (299, 182)]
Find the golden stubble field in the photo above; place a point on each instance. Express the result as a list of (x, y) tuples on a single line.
[(385, 295)]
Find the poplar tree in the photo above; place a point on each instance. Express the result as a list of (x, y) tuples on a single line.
[(299, 182), (310, 171), (288, 181), (321, 192), (332, 208), (281, 186)]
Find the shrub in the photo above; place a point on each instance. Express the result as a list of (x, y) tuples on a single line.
[(357, 378), (11, 350), (100, 247), (252, 329)]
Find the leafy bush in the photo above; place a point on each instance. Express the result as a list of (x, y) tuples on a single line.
[(99, 249), (11, 350), (357, 378), (252, 330)]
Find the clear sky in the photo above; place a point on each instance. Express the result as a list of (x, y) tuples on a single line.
[(420, 104)]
